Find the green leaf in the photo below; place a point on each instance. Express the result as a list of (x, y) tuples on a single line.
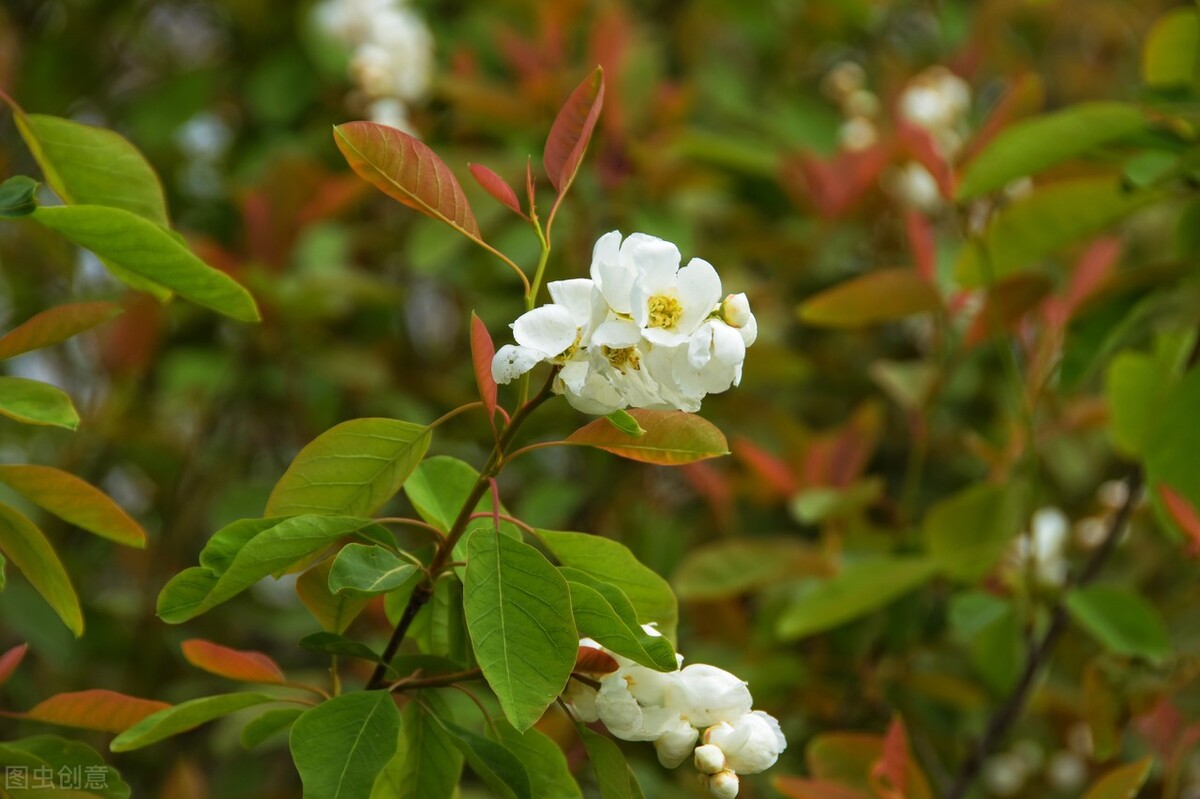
[(184, 717), (48, 755), (989, 629), (74, 501), (55, 325), (572, 130), (33, 402), (612, 772), (1121, 620), (340, 746), (967, 533), (443, 627), (671, 438), (624, 421), (859, 589), (499, 768), (334, 612), (427, 765), (405, 169), (243, 553), (1032, 145), (151, 252), (334, 644), (30, 552), (518, 611), (612, 562), (364, 571), (1124, 782), (268, 724), (597, 618), (1052, 217), (439, 487), (1136, 386), (820, 504), (549, 775), (881, 296), (738, 565), (1172, 49), (18, 197), (1172, 441), (351, 469)]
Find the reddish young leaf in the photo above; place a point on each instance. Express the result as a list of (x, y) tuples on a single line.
[(74, 501), (572, 130), (233, 664), (1184, 514), (54, 325), (802, 788), (482, 352), (496, 186), (921, 243), (97, 709), (1006, 303), (882, 296), (1093, 268), (10, 660), (921, 146), (772, 471), (529, 184), (889, 775), (405, 169), (594, 661), (833, 187), (671, 438)]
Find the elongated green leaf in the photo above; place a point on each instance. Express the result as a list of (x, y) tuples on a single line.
[(1172, 441), (671, 438), (1032, 145), (518, 610), (245, 552), (991, 632), (596, 618), (439, 487), (612, 562), (572, 130), (74, 501), (405, 169), (33, 402), (612, 772), (57, 761), (968, 532), (1052, 217), (30, 552), (1124, 782), (361, 570), (1171, 55), (882, 296), (18, 197), (340, 746), (333, 644), (859, 589), (624, 422), (259, 729), (735, 566), (55, 325), (152, 252), (495, 765), (549, 775), (184, 717), (1121, 620), (351, 469), (334, 612), (1136, 386), (427, 765)]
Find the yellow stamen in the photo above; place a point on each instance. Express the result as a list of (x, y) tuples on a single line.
[(664, 311), (623, 357)]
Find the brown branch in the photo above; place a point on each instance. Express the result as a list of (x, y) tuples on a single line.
[(435, 680)]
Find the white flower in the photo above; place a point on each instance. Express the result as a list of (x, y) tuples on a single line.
[(674, 745), (857, 133), (1045, 546), (709, 695), (935, 99), (751, 743), (547, 333), (709, 759), (723, 785), (913, 185)]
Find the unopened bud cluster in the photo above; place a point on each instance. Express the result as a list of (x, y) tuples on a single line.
[(392, 53), (697, 711), (641, 332)]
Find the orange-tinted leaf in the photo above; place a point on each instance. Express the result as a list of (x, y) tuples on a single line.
[(773, 471), (801, 788), (54, 325), (844, 757), (74, 501), (1123, 782), (671, 438), (405, 169), (10, 660), (1184, 514), (482, 352), (97, 709), (233, 664), (1006, 302), (833, 187), (882, 296), (889, 775), (921, 243), (572, 130), (334, 612), (1093, 268), (594, 661), (496, 186)]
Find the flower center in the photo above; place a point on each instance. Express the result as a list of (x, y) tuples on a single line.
[(623, 357), (664, 311)]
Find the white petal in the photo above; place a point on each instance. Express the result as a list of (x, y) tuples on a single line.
[(699, 291), (655, 261), (664, 338), (616, 333), (749, 331), (711, 695), (549, 328), (728, 346), (574, 295), (606, 251), (751, 743), (511, 361), (611, 274), (574, 375), (675, 745), (700, 346)]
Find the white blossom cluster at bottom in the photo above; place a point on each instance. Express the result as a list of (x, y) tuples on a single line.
[(698, 710)]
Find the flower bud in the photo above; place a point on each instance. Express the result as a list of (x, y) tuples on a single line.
[(709, 759), (708, 695), (735, 310), (676, 744), (723, 785), (751, 743)]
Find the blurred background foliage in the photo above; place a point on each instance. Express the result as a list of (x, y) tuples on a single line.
[(715, 132)]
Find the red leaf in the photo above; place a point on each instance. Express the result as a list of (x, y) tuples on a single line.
[(233, 664), (529, 183), (672, 438), (97, 709), (54, 325), (1092, 269), (834, 187), (1006, 303), (922, 243), (405, 169), (496, 186), (771, 470), (10, 660), (74, 501), (594, 661), (889, 774), (920, 144), (572, 130), (837, 459), (1184, 514), (482, 352), (801, 788)]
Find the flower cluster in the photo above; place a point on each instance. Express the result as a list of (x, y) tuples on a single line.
[(845, 84), (672, 708), (642, 332), (392, 60), (937, 101)]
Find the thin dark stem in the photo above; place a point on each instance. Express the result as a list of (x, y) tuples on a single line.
[(435, 681), (1039, 653)]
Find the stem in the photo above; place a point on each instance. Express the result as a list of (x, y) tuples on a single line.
[(1039, 654), (531, 292), (435, 681), (424, 590), (445, 417)]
